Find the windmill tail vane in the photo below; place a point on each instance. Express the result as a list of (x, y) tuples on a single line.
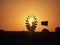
[(45, 23)]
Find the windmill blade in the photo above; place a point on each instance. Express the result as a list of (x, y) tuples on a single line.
[(35, 24), (45, 23), (35, 18), (35, 21), (26, 23), (26, 20)]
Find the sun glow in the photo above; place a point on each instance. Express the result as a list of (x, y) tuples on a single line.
[(30, 21)]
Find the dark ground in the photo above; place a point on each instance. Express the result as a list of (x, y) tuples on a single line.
[(26, 38)]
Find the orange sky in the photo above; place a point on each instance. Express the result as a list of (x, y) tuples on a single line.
[(13, 14)]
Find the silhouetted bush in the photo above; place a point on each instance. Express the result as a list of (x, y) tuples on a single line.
[(45, 30), (1, 30), (57, 29)]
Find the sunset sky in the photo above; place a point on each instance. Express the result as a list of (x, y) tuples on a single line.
[(13, 14)]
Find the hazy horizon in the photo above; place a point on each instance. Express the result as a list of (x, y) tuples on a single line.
[(13, 14)]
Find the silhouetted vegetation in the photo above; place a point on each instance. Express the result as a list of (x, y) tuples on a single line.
[(57, 29), (1, 30), (45, 30)]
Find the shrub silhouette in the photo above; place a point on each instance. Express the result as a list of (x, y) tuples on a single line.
[(57, 29), (1, 30), (45, 30)]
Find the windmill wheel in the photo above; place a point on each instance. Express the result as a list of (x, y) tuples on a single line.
[(31, 23)]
